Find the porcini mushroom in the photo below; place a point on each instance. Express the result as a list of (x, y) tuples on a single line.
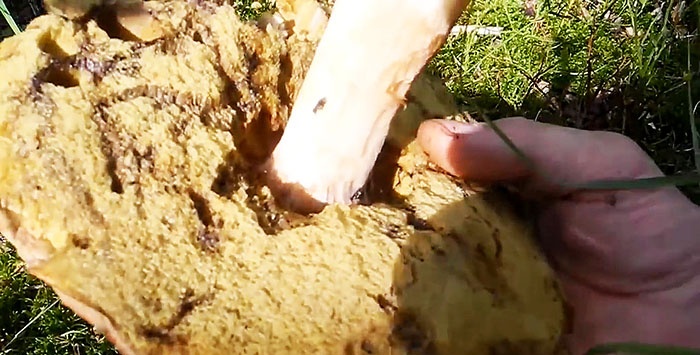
[(365, 62), (130, 195)]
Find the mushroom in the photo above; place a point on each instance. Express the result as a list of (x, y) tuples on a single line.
[(129, 19), (76, 9), (131, 197), (364, 64)]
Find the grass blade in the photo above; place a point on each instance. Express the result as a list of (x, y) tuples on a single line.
[(529, 162), (639, 184), (8, 17), (691, 112), (29, 324), (621, 184)]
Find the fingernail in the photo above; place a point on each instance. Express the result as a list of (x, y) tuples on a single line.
[(436, 140), (456, 127), (441, 132)]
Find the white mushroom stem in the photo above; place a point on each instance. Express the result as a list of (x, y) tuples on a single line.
[(366, 60)]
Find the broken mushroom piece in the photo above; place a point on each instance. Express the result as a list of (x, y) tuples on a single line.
[(309, 18), (75, 9), (128, 19), (136, 22), (365, 62)]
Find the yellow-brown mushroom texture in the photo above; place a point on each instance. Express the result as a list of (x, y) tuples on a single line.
[(128, 183)]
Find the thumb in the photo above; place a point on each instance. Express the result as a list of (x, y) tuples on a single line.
[(565, 155)]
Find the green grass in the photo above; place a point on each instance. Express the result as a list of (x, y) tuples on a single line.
[(31, 320), (8, 18), (630, 66)]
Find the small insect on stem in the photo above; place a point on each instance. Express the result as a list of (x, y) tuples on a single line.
[(320, 105)]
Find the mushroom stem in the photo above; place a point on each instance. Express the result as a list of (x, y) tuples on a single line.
[(370, 53)]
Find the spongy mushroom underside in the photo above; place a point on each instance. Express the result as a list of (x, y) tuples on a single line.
[(128, 184)]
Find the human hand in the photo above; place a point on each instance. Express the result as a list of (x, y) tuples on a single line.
[(629, 261)]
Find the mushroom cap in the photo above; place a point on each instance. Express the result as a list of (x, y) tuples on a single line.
[(75, 9), (127, 184)]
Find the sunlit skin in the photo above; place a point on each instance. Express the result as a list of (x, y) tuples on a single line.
[(629, 261)]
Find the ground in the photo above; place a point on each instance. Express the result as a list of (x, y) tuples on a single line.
[(629, 66)]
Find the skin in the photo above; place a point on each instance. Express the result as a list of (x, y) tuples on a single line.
[(629, 261)]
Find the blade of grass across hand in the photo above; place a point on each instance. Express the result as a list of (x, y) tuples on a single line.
[(691, 112), (8, 17), (640, 349), (622, 184), (641, 183)]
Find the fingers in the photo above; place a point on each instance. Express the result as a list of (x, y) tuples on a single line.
[(475, 152)]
